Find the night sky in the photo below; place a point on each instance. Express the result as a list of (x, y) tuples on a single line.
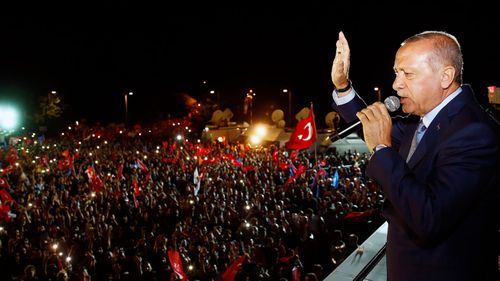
[(94, 54)]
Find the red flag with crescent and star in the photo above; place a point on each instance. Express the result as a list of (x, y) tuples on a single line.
[(305, 133), (176, 263)]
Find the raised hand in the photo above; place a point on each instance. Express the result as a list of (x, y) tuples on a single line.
[(341, 63)]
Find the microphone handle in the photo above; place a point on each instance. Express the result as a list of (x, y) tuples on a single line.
[(341, 134), (391, 103)]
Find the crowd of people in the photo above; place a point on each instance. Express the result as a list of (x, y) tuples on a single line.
[(110, 204)]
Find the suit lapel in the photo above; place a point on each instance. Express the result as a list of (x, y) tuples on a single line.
[(439, 125), (407, 139)]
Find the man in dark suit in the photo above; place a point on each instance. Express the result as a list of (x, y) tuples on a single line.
[(438, 167)]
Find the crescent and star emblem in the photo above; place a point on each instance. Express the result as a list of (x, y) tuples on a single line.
[(308, 126)]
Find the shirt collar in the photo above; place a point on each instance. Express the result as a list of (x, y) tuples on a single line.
[(429, 116)]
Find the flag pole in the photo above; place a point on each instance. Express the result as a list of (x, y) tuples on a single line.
[(315, 152), (315, 144)]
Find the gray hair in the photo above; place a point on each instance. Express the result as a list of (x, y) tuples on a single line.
[(446, 50)]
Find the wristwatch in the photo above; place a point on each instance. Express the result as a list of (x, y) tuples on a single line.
[(346, 88), (379, 147)]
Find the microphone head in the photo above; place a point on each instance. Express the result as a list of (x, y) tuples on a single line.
[(392, 103)]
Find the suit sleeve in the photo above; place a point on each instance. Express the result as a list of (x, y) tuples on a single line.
[(348, 111)]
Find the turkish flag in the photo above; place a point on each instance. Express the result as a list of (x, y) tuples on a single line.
[(232, 270), (4, 212), (176, 263), (11, 156), (65, 153), (66, 163), (358, 216), (5, 196), (4, 183), (90, 173), (304, 135), (293, 156), (296, 273), (97, 183), (276, 158), (137, 191), (120, 171), (142, 166)]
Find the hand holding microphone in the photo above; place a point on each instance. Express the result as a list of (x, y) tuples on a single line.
[(377, 123), (391, 104)]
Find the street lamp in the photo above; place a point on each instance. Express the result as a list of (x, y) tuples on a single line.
[(248, 104), (49, 104), (379, 93), (126, 106), (289, 106), (212, 92)]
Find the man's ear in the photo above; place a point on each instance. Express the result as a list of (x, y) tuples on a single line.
[(447, 76)]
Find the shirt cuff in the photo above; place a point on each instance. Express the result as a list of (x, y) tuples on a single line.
[(345, 99)]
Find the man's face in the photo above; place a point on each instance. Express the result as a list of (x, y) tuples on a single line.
[(417, 83)]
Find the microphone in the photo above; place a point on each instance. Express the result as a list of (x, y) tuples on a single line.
[(391, 103)]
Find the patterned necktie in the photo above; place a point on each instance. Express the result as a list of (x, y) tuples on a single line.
[(419, 133)]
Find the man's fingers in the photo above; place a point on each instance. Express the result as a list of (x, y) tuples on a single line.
[(338, 45), (361, 116), (338, 51), (381, 110), (343, 42), (376, 124), (343, 39), (345, 50), (368, 112)]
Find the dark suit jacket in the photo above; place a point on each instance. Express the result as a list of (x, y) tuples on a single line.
[(443, 205)]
